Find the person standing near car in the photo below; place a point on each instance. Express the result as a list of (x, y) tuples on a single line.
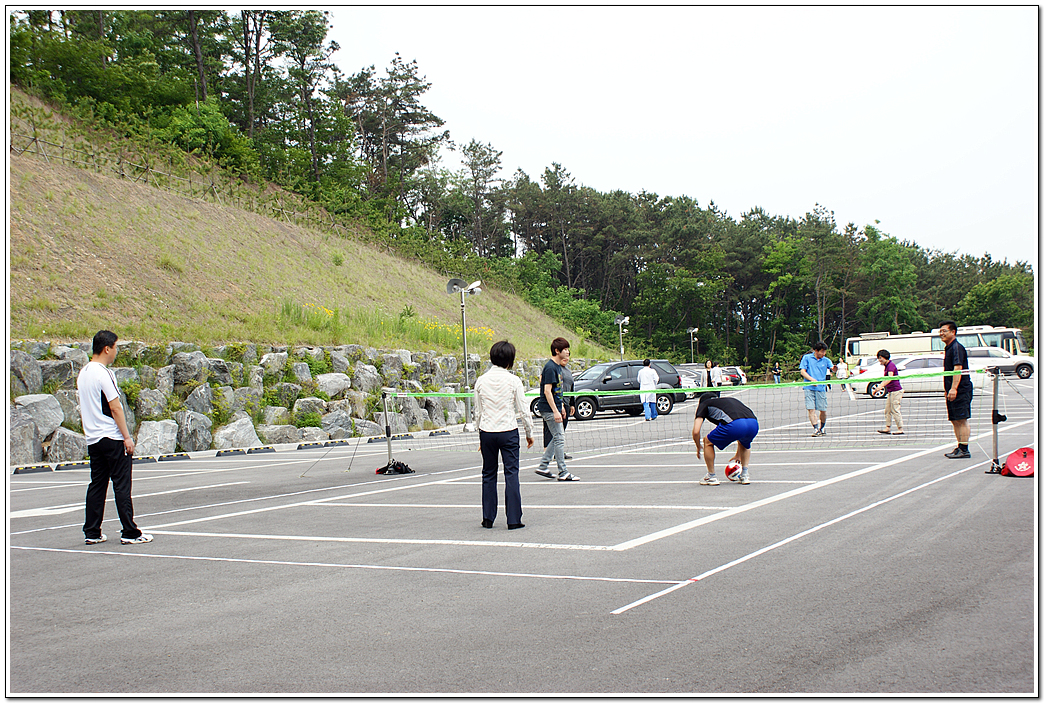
[(894, 389), (499, 400), (647, 381), (814, 367), (958, 389), (553, 410), (110, 445)]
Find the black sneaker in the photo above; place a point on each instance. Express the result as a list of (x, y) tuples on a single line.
[(958, 453), (546, 473)]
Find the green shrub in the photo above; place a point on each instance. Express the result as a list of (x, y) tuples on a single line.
[(308, 420)]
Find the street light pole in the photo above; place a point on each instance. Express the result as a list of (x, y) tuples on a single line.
[(692, 332), (620, 322), (456, 285)]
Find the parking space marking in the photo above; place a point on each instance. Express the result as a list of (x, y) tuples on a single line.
[(790, 539), (373, 567)]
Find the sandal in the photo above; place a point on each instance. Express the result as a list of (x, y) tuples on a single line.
[(884, 432)]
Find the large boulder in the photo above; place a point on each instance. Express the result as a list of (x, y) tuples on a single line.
[(125, 374), (157, 438), (151, 404), (366, 378), (225, 399), (412, 413), (338, 424), (395, 420), (37, 349), (193, 431), (273, 363), (391, 369), (339, 362), (255, 378), (57, 373), (218, 371), (275, 415), (356, 402), (314, 434), (188, 366), (165, 379), (246, 399), (23, 439), (365, 428), (309, 405), (236, 435), (77, 356), (435, 411), (333, 384), (453, 405), (66, 445), (25, 373), (45, 410), (147, 374), (301, 372), (278, 434), (70, 402), (201, 400)]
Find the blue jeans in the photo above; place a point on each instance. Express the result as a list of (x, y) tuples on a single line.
[(556, 448), (650, 410), (506, 445)]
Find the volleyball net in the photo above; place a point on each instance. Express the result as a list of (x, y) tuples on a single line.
[(853, 417)]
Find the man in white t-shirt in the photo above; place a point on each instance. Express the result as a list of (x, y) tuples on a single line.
[(109, 443)]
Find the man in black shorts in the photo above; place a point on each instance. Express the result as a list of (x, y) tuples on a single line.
[(735, 423), (958, 389)]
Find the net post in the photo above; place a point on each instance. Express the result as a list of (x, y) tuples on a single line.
[(387, 425), (997, 418)]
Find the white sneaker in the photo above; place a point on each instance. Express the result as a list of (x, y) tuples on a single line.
[(140, 539), (710, 480), (94, 540), (744, 479)]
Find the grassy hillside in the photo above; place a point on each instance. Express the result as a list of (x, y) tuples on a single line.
[(90, 251)]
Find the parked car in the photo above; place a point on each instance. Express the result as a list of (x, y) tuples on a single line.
[(1021, 366), (734, 374), (691, 379), (915, 375), (621, 376)]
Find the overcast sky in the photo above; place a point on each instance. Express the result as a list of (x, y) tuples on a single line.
[(923, 118)]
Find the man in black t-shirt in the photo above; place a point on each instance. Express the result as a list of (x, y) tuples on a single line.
[(553, 411), (958, 388), (735, 423)]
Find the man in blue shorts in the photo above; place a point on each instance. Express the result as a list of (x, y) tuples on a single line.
[(735, 423), (814, 367)]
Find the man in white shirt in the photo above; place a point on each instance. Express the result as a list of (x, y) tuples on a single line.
[(499, 400), (647, 381), (109, 443)]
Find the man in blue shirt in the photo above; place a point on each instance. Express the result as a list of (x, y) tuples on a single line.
[(814, 367)]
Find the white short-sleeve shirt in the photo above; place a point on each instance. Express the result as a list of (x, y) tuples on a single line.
[(96, 386)]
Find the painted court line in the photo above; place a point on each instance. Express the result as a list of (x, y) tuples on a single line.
[(70, 507), (373, 567), (790, 539), (571, 506), (630, 544), (387, 540)]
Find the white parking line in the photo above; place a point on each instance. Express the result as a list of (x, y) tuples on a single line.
[(790, 539), (374, 567), (71, 507)]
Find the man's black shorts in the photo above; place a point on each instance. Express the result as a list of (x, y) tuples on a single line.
[(959, 408)]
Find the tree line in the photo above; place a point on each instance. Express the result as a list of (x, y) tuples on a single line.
[(258, 91)]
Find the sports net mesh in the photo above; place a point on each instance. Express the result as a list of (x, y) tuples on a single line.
[(853, 419)]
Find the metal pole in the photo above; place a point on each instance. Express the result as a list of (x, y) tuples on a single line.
[(620, 326), (996, 387), (387, 426), (692, 357), (467, 381)]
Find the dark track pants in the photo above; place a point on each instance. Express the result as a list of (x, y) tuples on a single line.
[(109, 462), (495, 445)]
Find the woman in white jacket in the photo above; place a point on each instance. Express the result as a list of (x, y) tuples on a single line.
[(647, 380), (499, 400)]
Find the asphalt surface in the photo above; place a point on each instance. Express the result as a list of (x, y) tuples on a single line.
[(836, 571)]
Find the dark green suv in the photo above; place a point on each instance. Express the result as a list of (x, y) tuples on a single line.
[(622, 376)]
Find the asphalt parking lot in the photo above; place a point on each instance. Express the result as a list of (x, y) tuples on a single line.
[(836, 571)]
